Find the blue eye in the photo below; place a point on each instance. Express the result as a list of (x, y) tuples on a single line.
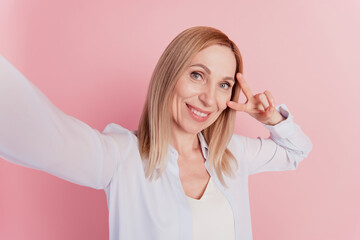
[(196, 75), (225, 85)]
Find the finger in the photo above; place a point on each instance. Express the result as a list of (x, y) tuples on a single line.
[(270, 98), (244, 86), (269, 110), (237, 106), (261, 101)]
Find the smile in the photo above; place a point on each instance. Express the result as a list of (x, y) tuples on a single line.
[(198, 115)]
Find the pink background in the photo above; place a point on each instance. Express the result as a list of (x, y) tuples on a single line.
[(94, 59)]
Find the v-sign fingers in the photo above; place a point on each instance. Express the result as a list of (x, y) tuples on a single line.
[(244, 86)]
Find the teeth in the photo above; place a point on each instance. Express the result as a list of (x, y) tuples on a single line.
[(200, 114)]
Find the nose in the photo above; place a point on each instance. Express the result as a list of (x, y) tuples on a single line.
[(207, 96)]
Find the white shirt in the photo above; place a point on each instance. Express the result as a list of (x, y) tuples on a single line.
[(212, 215), (36, 134)]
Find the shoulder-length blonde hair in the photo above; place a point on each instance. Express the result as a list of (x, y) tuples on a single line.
[(154, 130)]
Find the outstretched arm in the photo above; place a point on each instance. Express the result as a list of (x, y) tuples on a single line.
[(36, 134)]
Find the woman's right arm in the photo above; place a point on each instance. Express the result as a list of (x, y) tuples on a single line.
[(36, 134)]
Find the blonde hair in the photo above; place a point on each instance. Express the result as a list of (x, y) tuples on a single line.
[(154, 130)]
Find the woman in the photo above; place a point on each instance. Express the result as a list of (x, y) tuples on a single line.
[(183, 174)]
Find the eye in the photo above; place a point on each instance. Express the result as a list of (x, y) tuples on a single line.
[(196, 75), (225, 85)]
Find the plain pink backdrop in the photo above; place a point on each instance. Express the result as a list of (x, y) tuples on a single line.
[(94, 59)]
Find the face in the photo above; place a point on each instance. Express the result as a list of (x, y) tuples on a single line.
[(203, 89)]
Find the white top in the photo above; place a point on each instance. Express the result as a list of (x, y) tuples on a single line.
[(212, 215), (36, 134)]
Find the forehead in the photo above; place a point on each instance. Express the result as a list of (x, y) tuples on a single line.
[(217, 58)]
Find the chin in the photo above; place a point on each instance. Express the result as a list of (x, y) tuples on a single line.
[(196, 130), (193, 130)]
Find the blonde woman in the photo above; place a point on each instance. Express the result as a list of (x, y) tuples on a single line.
[(184, 173)]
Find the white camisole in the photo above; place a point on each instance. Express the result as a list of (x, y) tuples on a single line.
[(212, 215)]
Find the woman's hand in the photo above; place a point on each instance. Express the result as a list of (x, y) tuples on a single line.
[(260, 106)]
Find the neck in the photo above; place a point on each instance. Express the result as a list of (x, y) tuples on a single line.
[(184, 142)]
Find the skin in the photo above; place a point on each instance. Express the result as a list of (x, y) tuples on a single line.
[(207, 85)]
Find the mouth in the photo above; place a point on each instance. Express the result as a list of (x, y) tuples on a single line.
[(197, 114)]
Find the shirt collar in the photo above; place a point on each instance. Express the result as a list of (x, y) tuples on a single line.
[(204, 145), (173, 154)]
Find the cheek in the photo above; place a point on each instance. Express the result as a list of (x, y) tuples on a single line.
[(185, 90), (223, 100)]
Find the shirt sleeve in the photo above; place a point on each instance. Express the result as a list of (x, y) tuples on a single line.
[(36, 134), (284, 149)]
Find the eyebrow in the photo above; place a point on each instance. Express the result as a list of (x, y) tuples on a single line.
[(208, 70)]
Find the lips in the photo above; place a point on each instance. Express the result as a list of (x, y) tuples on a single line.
[(198, 109), (198, 114)]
